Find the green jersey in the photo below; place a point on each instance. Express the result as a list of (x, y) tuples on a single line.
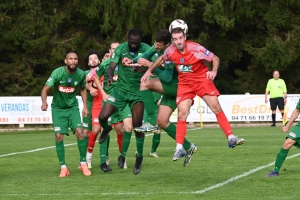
[(128, 80), (89, 96), (102, 71), (65, 85)]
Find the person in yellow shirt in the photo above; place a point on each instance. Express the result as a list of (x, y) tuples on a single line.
[(278, 95)]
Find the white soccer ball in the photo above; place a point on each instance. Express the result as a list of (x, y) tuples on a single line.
[(179, 23)]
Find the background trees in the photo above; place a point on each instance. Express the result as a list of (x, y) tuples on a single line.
[(251, 37)]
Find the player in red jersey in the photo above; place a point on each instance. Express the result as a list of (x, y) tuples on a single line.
[(194, 79)]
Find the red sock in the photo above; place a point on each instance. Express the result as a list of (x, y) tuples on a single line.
[(91, 144), (180, 131), (120, 139), (224, 124)]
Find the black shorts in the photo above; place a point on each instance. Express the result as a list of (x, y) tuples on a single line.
[(274, 102)]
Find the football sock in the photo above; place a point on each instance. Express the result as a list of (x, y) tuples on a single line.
[(155, 142), (108, 142), (91, 143), (82, 146), (281, 156), (178, 146), (126, 142), (273, 118), (103, 151), (139, 146), (119, 140), (224, 124), (60, 151), (104, 124), (171, 131), (150, 105), (180, 131)]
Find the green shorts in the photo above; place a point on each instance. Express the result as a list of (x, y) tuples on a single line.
[(87, 121), (65, 118), (169, 101), (295, 135), (120, 115), (120, 99), (170, 88)]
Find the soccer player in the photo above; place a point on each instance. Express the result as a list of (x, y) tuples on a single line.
[(292, 139), (194, 79), (126, 92), (93, 62), (278, 95), (118, 119), (65, 112), (166, 85)]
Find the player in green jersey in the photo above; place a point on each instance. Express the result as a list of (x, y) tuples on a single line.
[(65, 112), (166, 85), (292, 139), (126, 92)]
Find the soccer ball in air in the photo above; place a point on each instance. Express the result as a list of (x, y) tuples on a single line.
[(179, 23)]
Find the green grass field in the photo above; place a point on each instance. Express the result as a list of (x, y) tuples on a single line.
[(30, 168)]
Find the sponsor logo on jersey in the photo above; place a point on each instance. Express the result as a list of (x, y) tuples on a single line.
[(185, 68), (207, 52), (66, 89), (292, 134), (69, 80), (182, 60), (57, 129), (111, 98), (115, 78)]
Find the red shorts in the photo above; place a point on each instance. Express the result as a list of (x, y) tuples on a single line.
[(95, 114), (200, 88)]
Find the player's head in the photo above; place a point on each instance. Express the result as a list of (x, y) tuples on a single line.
[(178, 38), (162, 40), (105, 55), (113, 46), (93, 58), (71, 61), (276, 74), (134, 39)]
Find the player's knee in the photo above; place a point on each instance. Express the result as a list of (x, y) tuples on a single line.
[(288, 143), (161, 122)]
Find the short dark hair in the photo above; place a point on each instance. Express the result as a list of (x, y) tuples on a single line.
[(91, 52), (163, 36), (177, 30), (135, 32), (103, 53)]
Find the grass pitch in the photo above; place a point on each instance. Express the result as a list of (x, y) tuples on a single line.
[(30, 168)]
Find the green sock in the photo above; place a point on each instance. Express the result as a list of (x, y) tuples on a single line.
[(104, 125), (155, 142), (139, 146), (108, 142), (149, 104), (82, 147), (281, 156), (60, 151), (103, 151), (171, 131), (125, 143)]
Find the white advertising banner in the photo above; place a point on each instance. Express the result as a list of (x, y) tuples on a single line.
[(237, 108)]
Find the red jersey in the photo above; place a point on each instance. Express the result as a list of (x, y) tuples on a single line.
[(97, 102), (190, 65)]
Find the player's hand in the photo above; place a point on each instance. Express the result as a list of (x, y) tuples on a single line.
[(144, 62), (93, 92), (211, 75), (109, 81), (146, 76), (85, 112), (126, 61), (44, 106), (284, 101), (105, 96), (266, 100), (285, 128)]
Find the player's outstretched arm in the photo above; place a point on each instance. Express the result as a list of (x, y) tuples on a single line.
[(110, 73), (159, 61), (100, 87), (44, 95), (147, 55), (293, 117)]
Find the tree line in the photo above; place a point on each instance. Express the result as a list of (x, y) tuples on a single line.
[(252, 37)]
